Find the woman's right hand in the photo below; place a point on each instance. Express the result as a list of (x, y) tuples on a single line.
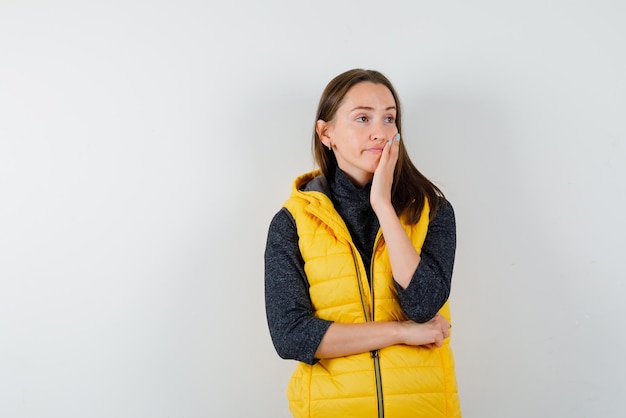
[(430, 334)]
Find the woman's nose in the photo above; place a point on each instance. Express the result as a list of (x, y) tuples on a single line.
[(380, 132)]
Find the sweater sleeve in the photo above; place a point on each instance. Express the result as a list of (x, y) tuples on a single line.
[(429, 287), (295, 332)]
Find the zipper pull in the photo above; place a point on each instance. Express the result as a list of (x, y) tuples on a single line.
[(374, 353)]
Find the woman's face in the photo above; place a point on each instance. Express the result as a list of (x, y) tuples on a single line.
[(363, 124)]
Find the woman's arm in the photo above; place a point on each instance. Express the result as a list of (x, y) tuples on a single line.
[(429, 288), (346, 339), (403, 257), (295, 332), (423, 282)]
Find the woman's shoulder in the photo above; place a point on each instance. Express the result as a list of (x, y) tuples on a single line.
[(282, 221), (444, 214), (445, 205)]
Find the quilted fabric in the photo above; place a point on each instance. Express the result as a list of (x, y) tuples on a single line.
[(416, 381)]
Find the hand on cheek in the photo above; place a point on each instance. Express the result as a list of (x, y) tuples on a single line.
[(383, 175)]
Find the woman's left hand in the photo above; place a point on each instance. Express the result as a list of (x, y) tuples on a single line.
[(402, 254), (380, 194)]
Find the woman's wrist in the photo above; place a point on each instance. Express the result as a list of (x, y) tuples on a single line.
[(400, 331), (384, 210)]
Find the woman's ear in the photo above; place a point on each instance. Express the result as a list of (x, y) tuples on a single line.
[(321, 127)]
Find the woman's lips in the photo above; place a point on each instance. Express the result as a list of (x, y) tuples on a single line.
[(376, 150)]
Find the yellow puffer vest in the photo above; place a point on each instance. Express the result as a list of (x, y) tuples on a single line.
[(394, 382)]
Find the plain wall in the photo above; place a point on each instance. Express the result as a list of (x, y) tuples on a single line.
[(145, 146)]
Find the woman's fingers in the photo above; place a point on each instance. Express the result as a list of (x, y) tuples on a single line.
[(430, 334), (444, 324), (383, 175), (389, 156)]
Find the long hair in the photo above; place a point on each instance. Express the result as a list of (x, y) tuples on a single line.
[(410, 187)]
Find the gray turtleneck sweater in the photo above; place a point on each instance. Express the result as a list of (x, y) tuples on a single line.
[(296, 333)]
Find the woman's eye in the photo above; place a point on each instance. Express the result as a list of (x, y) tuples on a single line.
[(389, 119), (362, 119)]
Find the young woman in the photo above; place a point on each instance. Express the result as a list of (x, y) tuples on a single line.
[(358, 267)]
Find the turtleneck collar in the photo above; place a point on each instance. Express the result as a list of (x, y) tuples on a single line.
[(353, 205), (343, 189)]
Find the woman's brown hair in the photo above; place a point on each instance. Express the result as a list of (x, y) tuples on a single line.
[(410, 187)]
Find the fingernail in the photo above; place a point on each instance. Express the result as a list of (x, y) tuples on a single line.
[(390, 142), (398, 136)]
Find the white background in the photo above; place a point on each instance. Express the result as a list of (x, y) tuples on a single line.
[(145, 146)]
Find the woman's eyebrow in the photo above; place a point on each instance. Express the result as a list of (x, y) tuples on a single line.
[(371, 108)]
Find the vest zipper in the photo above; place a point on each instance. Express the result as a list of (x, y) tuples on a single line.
[(358, 280), (369, 317), (375, 357), (379, 385)]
